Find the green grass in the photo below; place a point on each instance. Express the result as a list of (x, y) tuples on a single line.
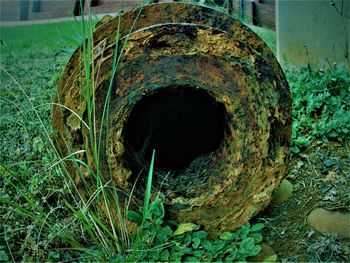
[(31, 64), (29, 39), (32, 60)]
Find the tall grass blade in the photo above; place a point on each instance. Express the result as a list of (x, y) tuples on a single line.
[(148, 187)]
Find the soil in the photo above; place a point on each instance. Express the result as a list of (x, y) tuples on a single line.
[(321, 178)]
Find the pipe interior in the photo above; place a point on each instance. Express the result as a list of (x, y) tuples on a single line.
[(181, 123)]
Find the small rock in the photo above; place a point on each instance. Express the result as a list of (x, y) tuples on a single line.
[(283, 192), (325, 221), (267, 254)]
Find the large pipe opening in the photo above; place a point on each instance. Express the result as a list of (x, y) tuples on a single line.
[(181, 123)]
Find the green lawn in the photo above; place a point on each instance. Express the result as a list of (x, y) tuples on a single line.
[(30, 39)]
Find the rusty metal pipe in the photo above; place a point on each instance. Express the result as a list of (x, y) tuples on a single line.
[(219, 167)]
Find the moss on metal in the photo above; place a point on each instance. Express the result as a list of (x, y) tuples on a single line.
[(182, 45)]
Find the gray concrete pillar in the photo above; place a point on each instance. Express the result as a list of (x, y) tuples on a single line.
[(314, 32)]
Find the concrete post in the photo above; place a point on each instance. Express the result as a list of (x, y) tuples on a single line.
[(314, 33)]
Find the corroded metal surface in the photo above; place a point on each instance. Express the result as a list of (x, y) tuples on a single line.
[(188, 45)]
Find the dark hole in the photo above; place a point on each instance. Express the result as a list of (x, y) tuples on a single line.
[(180, 123)]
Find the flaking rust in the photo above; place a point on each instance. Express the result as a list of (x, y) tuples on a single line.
[(183, 44)]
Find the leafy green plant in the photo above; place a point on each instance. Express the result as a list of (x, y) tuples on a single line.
[(186, 242), (321, 106)]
